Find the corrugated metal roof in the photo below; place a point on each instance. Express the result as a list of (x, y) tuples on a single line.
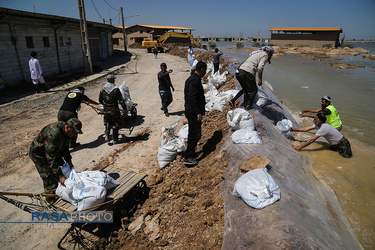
[(306, 29), (163, 27)]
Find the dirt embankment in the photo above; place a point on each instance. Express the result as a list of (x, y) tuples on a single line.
[(315, 53)]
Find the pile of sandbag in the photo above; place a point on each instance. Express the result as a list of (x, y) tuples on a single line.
[(243, 123), (85, 189)]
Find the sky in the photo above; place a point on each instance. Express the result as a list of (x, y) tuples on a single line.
[(220, 18)]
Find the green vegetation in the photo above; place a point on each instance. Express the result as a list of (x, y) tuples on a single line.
[(212, 45), (349, 46), (239, 45), (256, 44), (327, 45)]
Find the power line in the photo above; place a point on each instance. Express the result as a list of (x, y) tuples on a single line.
[(96, 10), (110, 5)]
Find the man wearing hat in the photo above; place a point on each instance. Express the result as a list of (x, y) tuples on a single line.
[(110, 96), (328, 110), (72, 103), (246, 75), (335, 139), (50, 149)]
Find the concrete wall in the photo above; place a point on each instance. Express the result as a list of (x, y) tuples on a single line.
[(316, 39), (63, 54)]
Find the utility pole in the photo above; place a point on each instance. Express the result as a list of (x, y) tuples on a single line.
[(123, 29), (84, 37)]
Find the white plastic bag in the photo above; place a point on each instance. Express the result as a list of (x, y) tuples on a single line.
[(257, 188), (261, 98), (168, 133), (246, 136), (126, 95), (283, 127), (217, 103), (168, 152), (240, 119)]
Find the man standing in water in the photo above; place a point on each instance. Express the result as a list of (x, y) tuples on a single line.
[(328, 110), (246, 75), (336, 140)]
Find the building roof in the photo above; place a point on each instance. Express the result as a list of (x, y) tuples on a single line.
[(306, 29), (162, 27), (21, 13)]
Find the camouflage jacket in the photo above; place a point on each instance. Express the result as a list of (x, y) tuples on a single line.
[(110, 101), (52, 144)]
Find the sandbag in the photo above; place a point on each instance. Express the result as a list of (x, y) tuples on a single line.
[(184, 132), (283, 127), (246, 136), (80, 190), (168, 152), (257, 188), (217, 103), (126, 95), (168, 133), (240, 119), (261, 98)]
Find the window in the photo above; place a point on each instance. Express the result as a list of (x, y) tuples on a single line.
[(69, 41), (61, 41), (29, 42), (46, 41), (141, 31)]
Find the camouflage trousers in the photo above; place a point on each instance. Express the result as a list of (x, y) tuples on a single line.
[(343, 147), (113, 117), (50, 180)]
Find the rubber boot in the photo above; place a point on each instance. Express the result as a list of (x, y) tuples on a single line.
[(107, 131), (115, 136)]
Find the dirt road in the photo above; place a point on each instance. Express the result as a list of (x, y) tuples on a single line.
[(21, 121)]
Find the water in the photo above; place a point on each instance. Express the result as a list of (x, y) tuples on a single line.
[(300, 83)]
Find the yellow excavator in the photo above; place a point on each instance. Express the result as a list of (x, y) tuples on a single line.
[(174, 37)]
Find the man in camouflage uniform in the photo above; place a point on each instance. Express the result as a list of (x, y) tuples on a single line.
[(49, 150), (110, 96)]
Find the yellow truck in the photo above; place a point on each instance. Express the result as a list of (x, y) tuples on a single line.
[(177, 36)]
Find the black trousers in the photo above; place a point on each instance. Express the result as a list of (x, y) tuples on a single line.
[(166, 99), (216, 67), (249, 88), (195, 134)]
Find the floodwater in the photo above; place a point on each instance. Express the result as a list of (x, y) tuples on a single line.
[(300, 83)]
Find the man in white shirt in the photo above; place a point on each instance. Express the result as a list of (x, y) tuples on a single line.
[(246, 75), (36, 73), (336, 140)]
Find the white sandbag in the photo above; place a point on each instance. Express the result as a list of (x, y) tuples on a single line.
[(246, 136), (217, 103), (261, 98), (212, 92), (232, 93), (80, 190), (101, 178), (240, 119), (216, 79), (210, 67), (126, 95), (283, 127), (168, 152), (257, 188), (168, 133), (184, 132)]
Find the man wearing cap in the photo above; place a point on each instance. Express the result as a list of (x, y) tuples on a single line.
[(165, 86), (110, 96), (328, 110), (336, 140), (50, 149), (72, 103), (246, 75)]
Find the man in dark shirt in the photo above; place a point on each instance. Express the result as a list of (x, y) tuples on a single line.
[(71, 105), (216, 55), (194, 110), (165, 86)]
